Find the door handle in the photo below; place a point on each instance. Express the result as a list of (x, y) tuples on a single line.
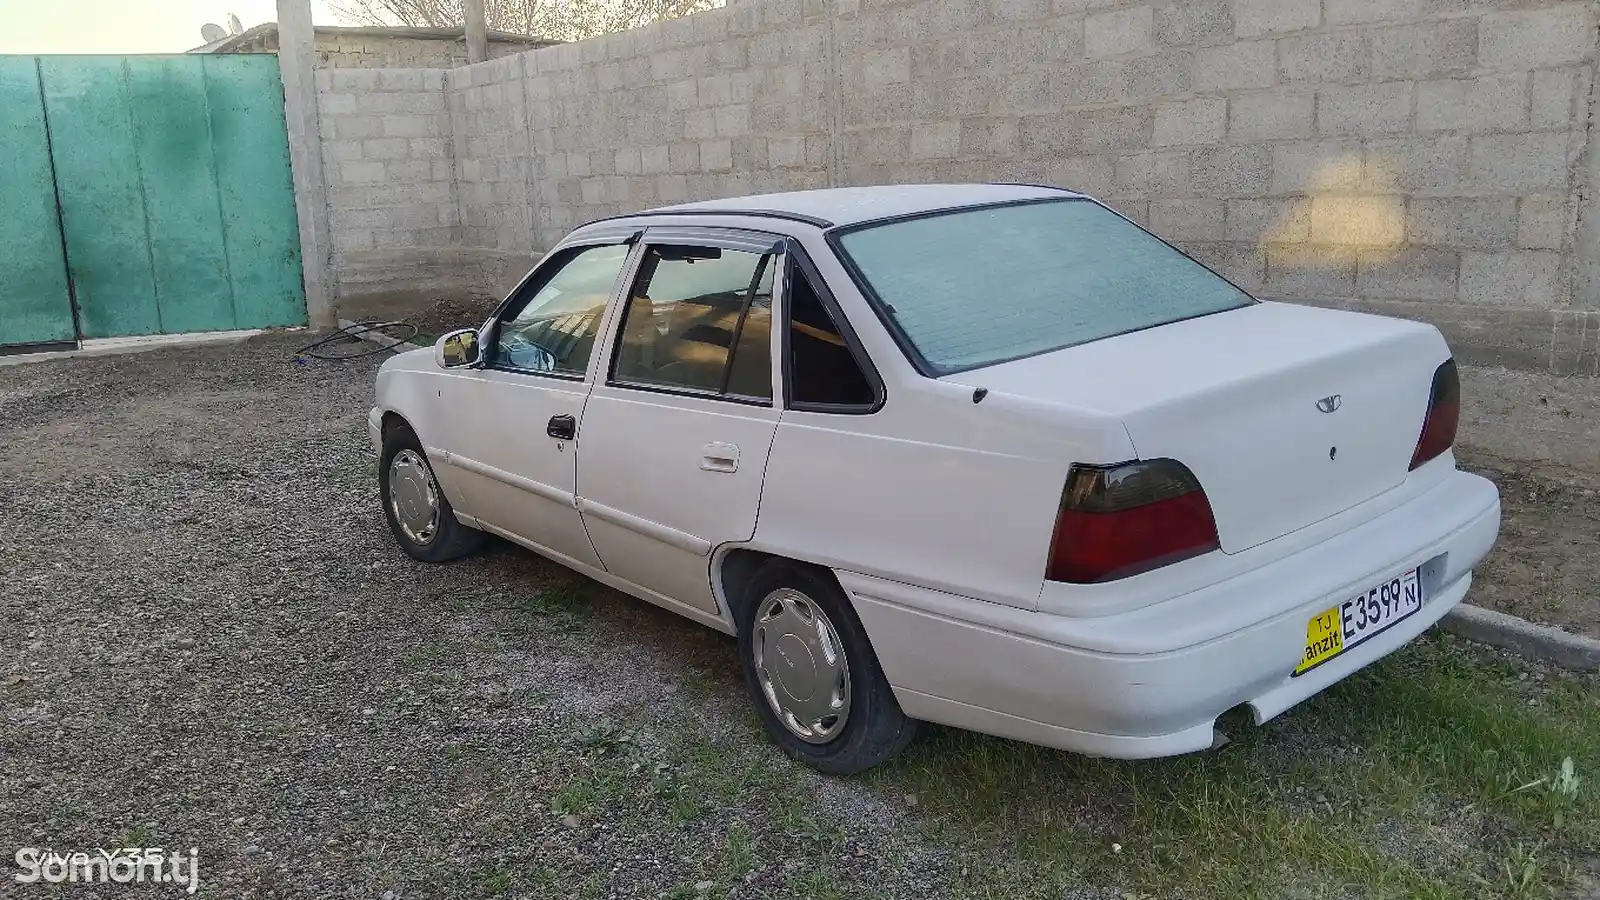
[(562, 428), (718, 456)]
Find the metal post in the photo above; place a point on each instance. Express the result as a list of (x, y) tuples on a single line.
[(477, 32), (296, 54)]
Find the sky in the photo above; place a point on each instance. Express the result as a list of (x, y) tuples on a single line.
[(126, 26)]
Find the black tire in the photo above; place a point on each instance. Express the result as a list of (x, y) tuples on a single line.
[(450, 539), (875, 729)]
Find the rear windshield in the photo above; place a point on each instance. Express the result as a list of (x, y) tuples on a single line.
[(975, 287)]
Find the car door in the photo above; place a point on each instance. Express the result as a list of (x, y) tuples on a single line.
[(675, 437), (514, 419)]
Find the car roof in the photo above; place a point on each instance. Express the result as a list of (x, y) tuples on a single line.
[(853, 205)]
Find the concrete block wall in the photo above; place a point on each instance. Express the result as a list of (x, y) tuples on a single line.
[(1404, 156), (1424, 158), (388, 161), (345, 50), (376, 48), (726, 102), (493, 162)]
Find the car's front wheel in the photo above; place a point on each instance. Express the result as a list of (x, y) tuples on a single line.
[(812, 675), (419, 514)]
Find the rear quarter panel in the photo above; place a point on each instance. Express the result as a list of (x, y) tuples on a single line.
[(932, 489)]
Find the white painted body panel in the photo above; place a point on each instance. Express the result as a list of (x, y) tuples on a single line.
[(513, 476), (657, 497), (1152, 682), (411, 386), (936, 512), (1233, 396), (934, 489)]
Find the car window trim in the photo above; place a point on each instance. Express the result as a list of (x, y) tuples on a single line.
[(744, 313), (800, 263), (697, 393), (491, 328), (787, 216), (758, 242), (927, 369)]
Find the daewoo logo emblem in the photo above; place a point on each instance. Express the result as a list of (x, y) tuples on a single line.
[(1330, 404)]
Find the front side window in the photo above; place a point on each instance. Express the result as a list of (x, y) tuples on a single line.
[(555, 327), (700, 319), (975, 287)]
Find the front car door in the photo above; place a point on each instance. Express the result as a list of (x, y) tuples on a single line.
[(676, 433), (515, 419)]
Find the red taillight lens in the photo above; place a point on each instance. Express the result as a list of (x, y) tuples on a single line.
[(1444, 414), (1121, 520)]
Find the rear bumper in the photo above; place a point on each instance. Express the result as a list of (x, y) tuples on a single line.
[(1032, 676)]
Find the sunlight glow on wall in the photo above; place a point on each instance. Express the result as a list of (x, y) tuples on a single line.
[(1346, 209)]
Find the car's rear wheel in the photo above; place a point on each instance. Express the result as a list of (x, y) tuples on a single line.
[(812, 675), (419, 514)]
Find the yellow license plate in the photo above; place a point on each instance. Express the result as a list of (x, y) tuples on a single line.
[(1337, 629)]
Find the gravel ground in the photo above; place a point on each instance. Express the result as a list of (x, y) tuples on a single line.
[(211, 641)]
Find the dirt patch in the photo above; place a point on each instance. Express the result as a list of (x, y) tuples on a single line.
[(1546, 566), (432, 312)]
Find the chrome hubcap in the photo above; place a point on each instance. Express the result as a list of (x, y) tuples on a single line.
[(413, 496), (801, 666)]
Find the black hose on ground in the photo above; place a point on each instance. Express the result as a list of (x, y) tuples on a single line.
[(352, 335)]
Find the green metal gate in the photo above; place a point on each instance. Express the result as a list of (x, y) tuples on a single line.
[(153, 197), (35, 307)]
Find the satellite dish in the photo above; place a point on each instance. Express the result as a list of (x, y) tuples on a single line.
[(234, 25), (212, 32)]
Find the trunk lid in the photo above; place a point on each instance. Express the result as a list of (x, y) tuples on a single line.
[(1286, 414)]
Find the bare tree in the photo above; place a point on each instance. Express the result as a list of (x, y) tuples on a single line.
[(568, 20)]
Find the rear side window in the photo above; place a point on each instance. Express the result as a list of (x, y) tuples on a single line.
[(700, 319), (822, 370), (974, 287)]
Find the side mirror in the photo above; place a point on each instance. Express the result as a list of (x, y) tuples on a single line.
[(458, 348)]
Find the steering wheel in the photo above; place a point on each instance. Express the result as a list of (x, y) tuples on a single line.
[(526, 354)]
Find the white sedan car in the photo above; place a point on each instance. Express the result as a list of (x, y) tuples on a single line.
[(985, 455)]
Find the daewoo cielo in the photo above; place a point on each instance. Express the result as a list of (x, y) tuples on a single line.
[(992, 456)]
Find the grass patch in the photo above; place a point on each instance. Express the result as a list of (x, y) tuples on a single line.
[(588, 791), (739, 853), (422, 658), (496, 883), (1431, 776), (815, 885), (563, 606), (1427, 776)]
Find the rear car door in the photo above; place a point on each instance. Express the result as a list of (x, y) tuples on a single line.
[(675, 436), (515, 419)]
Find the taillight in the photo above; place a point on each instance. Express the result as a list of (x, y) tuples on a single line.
[(1121, 520), (1444, 414)]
